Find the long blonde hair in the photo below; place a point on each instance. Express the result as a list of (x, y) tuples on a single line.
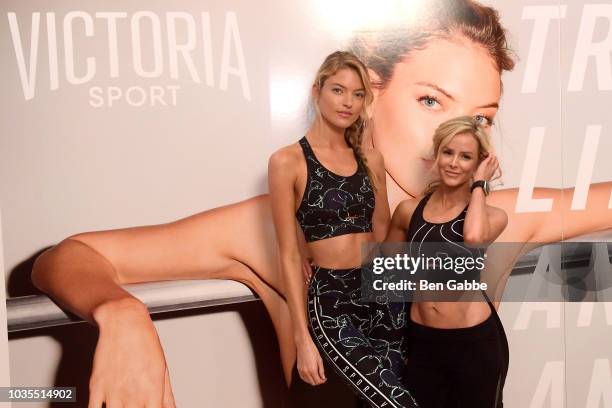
[(457, 126), (353, 135)]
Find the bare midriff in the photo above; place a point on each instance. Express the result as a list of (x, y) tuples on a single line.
[(343, 251), (449, 315)]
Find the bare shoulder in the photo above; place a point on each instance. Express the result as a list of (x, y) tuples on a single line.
[(408, 206), (286, 159), (404, 210)]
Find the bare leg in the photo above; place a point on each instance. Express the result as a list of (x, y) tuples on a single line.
[(129, 363), (86, 271)]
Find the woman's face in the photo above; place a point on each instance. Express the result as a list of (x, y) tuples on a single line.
[(457, 160), (341, 98), (448, 78)]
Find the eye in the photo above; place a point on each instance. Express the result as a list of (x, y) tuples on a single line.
[(429, 101), (484, 120), (467, 157), (360, 94), (446, 152), (337, 91)]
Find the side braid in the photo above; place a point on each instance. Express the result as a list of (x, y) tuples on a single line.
[(353, 136)]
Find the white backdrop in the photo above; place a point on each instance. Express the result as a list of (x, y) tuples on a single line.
[(118, 114)]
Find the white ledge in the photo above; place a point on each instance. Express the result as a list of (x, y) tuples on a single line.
[(30, 312)]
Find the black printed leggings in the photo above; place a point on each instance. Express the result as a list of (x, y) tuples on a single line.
[(358, 339)]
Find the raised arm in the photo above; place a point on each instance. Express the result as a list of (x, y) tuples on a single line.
[(282, 176), (483, 223), (596, 216)]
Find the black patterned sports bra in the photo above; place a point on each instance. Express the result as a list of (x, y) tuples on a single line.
[(334, 205)]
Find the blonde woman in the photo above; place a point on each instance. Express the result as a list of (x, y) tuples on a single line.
[(458, 350), (334, 191)]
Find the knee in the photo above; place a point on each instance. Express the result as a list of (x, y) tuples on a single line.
[(50, 262)]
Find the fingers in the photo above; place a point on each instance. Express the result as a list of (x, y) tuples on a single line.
[(314, 375), (306, 376), (487, 167), (321, 371), (310, 364), (489, 159), (493, 165), (307, 271), (318, 374)]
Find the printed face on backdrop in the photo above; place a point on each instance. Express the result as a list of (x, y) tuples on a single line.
[(458, 159), (341, 98), (446, 79)]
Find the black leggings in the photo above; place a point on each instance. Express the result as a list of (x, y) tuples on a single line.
[(463, 367), (356, 338)]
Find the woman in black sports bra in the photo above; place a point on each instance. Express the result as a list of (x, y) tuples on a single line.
[(335, 192), (458, 352)]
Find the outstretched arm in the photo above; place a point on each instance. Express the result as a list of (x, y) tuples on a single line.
[(572, 223), (561, 222)]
